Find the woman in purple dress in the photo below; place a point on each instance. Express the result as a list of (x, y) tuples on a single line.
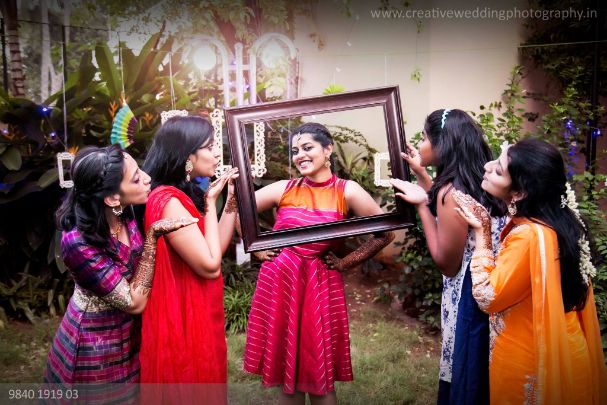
[(97, 341)]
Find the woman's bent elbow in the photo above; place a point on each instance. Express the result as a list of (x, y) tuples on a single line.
[(211, 275), (208, 272), (448, 269)]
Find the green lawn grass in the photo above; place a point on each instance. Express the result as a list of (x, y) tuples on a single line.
[(393, 363)]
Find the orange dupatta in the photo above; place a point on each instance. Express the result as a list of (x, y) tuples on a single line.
[(553, 360)]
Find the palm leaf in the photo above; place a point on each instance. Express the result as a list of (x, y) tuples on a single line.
[(108, 70)]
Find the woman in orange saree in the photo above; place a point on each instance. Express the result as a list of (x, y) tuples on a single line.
[(545, 338)]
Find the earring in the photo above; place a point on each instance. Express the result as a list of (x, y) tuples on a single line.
[(117, 211), (328, 162), (512, 208), (188, 169)]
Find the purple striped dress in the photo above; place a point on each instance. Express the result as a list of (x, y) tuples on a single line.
[(97, 343)]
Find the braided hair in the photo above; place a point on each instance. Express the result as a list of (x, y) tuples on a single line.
[(97, 173)]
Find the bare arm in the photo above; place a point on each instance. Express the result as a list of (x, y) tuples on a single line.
[(359, 201), (228, 217), (269, 196), (424, 179), (446, 234), (227, 222), (266, 198), (201, 252)]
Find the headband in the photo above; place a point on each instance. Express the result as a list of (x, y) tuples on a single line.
[(443, 118)]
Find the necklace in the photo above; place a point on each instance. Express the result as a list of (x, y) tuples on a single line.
[(117, 231)]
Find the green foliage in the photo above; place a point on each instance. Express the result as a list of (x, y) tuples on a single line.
[(333, 89), (234, 274), (574, 109), (29, 191), (237, 304), (234, 20), (561, 62), (504, 126), (239, 286), (420, 284), (354, 158)]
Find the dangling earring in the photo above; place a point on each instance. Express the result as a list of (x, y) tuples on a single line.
[(512, 208), (188, 169), (328, 162), (117, 211)]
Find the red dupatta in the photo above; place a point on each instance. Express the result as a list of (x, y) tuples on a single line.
[(183, 338)]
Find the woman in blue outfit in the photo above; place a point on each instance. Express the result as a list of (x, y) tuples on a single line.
[(454, 143)]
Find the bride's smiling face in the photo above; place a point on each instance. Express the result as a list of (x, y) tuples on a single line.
[(308, 155)]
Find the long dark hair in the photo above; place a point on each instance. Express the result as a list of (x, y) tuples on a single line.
[(173, 143), (97, 173), (461, 153), (537, 170)]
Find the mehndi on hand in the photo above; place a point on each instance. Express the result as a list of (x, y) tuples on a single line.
[(333, 262), (168, 225), (471, 210), (267, 255), (478, 218)]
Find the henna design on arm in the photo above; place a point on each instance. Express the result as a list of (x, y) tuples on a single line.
[(364, 252)]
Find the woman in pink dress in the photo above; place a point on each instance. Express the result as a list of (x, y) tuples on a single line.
[(297, 336)]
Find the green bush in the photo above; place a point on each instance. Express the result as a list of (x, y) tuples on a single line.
[(421, 282), (237, 304)]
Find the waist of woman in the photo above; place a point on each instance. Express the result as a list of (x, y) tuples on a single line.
[(313, 252), (86, 301)]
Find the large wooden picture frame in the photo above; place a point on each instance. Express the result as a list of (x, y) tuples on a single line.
[(236, 117)]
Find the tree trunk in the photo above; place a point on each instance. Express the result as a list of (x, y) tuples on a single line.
[(45, 51), (9, 11), (57, 76)]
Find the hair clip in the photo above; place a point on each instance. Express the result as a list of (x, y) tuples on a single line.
[(444, 117)]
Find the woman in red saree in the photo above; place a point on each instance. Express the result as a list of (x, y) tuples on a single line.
[(183, 339), (545, 342)]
